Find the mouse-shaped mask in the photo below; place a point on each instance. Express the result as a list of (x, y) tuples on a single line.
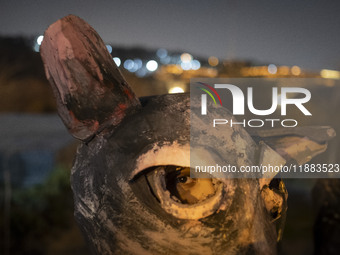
[(132, 190)]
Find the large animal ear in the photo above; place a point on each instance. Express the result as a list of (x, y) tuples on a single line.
[(286, 145), (290, 145), (91, 92), (296, 145)]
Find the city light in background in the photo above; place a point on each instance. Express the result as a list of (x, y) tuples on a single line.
[(330, 74), (152, 65), (109, 48), (186, 65), (175, 90), (117, 61), (272, 69)]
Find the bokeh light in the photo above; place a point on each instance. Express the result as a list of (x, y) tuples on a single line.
[(40, 39), (117, 61), (295, 70), (162, 53), (330, 74), (138, 63), (109, 48), (272, 69), (195, 64), (175, 90), (186, 57), (213, 61), (152, 65), (129, 64), (166, 60), (186, 65)]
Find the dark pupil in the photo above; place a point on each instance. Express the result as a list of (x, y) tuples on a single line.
[(182, 179)]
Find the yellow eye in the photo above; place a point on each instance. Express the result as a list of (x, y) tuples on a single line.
[(179, 194), (190, 190), (183, 176), (184, 179)]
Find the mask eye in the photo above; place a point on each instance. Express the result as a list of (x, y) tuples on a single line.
[(186, 189), (182, 196)]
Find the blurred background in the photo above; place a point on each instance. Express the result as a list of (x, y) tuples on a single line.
[(159, 46)]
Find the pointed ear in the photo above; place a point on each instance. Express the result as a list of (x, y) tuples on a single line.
[(296, 145), (290, 145), (91, 92)]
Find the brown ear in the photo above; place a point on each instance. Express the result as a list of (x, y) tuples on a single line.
[(296, 145), (287, 145), (290, 145), (91, 93)]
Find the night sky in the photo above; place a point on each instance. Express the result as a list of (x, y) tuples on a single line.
[(283, 32)]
